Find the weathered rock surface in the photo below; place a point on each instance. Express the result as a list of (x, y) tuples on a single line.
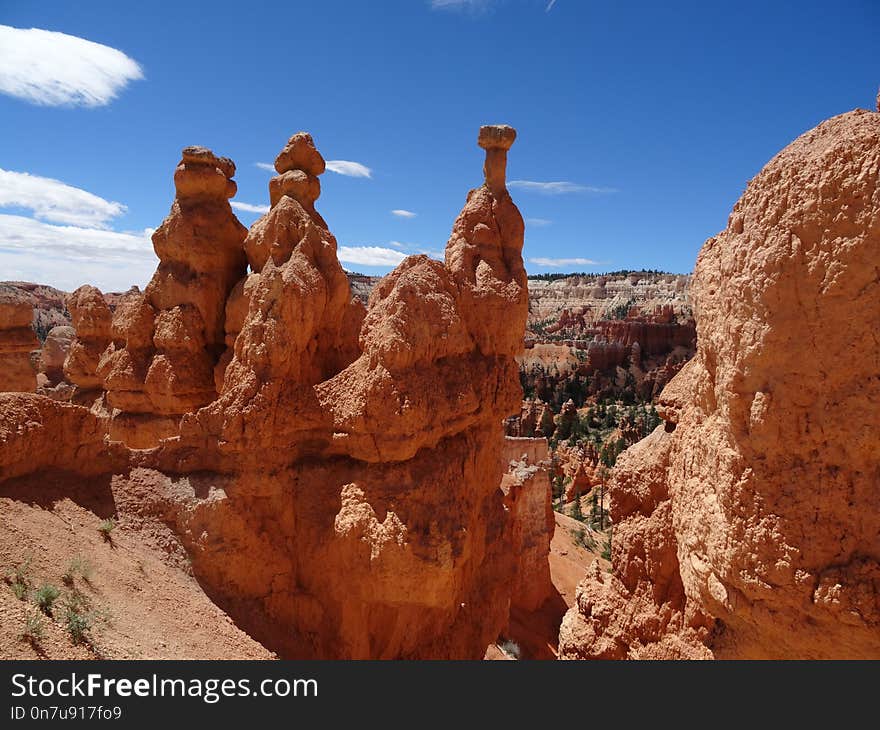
[(747, 527), (92, 319), (54, 352), (340, 498), (167, 341), (526, 487), (17, 340)]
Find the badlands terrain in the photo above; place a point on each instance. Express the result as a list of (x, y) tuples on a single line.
[(262, 454)]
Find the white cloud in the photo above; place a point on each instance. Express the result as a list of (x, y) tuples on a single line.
[(550, 6), (400, 213), (538, 222), (349, 168), (340, 167), (557, 188), (55, 69), (248, 208), (53, 200), (68, 256), (460, 4), (370, 255), (541, 261)]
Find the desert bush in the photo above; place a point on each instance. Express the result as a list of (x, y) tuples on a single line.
[(106, 528), (45, 596), (34, 626), (78, 618), (20, 577), (78, 566)]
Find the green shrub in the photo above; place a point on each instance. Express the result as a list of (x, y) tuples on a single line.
[(78, 566), (106, 528), (34, 627), (78, 619), (20, 577), (45, 596)]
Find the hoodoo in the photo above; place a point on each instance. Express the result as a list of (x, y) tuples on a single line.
[(167, 341), (341, 497), (748, 527)]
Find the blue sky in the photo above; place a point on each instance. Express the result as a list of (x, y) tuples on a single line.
[(650, 118)]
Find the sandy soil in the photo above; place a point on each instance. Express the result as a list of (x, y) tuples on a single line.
[(141, 606)]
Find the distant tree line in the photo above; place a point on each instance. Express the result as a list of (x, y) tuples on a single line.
[(595, 275)]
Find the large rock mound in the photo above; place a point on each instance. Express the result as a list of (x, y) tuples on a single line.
[(748, 526)]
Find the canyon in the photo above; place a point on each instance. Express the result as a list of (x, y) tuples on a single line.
[(457, 460)]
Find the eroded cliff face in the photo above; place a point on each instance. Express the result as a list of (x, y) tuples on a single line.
[(17, 341), (167, 341), (526, 487), (340, 498), (747, 526)]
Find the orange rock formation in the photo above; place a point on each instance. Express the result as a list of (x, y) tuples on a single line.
[(91, 319), (167, 341), (526, 487), (339, 497), (17, 340), (747, 527)]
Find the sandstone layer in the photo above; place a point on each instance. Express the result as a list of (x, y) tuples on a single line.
[(747, 526)]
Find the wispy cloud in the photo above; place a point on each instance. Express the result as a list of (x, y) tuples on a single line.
[(248, 207), (550, 262), (550, 6), (55, 201), (558, 188), (538, 222), (370, 255), (400, 213), (460, 4), (55, 69), (340, 167), (68, 256), (349, 168)]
